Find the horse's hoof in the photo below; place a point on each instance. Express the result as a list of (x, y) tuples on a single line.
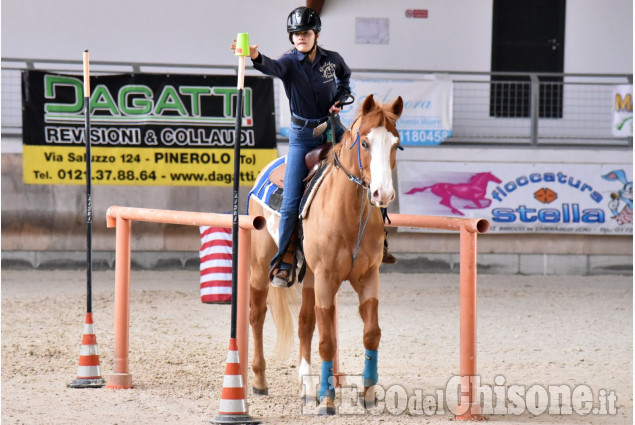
[(368, 398), (327, 407), (258, 391)]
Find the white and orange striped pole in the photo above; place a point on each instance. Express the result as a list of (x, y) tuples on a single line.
[(233, 407), (89, 370)]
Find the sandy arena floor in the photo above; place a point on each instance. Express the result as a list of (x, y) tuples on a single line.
[(534, 332)]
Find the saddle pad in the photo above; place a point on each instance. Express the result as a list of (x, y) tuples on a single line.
[(269, 195), (264, 189)]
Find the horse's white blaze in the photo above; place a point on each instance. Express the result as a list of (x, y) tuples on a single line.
[(381, 188)]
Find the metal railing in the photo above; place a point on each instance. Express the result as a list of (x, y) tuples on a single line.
[(519, 109)]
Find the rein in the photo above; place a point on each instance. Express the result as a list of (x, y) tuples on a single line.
[(365, 187)]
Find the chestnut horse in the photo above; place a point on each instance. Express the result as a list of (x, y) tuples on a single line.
[(343, 234)]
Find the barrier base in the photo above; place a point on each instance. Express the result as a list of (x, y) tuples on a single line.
[(87, 383), (234, 419), (119, 381)]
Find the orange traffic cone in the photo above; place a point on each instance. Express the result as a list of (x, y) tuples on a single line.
[(89, 370), (233, 406)]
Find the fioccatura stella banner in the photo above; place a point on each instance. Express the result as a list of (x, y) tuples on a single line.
[(523, 197), (146, 129)]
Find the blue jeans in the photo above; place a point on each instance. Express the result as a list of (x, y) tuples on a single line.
[(301, 141)]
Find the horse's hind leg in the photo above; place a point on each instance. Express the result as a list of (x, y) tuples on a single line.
[(257, 312), (262, 250), (306, 328)]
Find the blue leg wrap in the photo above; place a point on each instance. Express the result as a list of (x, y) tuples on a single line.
[(327, 386), (370, 369)]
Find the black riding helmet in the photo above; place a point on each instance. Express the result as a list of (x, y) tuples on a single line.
[(303, 19)]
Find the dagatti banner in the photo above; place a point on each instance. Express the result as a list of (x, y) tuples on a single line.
[(146, 129), (523, 197)]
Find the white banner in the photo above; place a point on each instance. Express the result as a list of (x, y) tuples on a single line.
[(522, 197), (623, 112), (427, 116)]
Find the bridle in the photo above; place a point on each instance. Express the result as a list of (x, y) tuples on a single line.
[(338, 165), (357, 180)]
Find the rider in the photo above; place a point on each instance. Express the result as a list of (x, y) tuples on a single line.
[(314, 79)]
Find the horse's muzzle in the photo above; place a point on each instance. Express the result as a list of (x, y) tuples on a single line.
[(382, 197)]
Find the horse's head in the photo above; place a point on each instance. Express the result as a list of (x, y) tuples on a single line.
[(378, 141)]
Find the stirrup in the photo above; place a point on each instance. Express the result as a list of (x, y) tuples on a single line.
[(282, 279)]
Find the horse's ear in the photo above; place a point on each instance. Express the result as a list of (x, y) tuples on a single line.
[(397, 106), (368, 105)]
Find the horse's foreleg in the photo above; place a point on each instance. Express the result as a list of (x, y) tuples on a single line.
[(372, 335), (257, 312), (306, 328), (368, 310), (325, 315)]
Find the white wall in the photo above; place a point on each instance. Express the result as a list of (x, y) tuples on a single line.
[(599, 36), (456, 36)]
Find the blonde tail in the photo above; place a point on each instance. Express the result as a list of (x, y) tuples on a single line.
[(284, 304)]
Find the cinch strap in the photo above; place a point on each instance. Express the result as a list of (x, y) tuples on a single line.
[(327, 387), (370, 369)]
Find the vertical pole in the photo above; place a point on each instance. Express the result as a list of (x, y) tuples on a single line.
[(235, 242), (466, 409), (89, 201), (242, 338), (121, 378), (534, 107)]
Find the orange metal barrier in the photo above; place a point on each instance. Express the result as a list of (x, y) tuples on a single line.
[(468, 228), (121, 218)]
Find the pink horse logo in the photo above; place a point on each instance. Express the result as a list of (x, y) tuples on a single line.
[(474, 190)]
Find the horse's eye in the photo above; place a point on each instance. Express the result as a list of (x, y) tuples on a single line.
[(365, 144)]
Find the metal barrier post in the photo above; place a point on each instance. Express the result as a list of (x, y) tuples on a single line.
[(121, 378), (121, 218), (467, 336), (468, 229), (242, 320)]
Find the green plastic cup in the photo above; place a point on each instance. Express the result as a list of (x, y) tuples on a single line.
[(242, 44)]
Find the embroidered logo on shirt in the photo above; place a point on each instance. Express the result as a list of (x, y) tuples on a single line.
[(328, 71)]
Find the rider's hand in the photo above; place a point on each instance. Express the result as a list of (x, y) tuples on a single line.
[(336, 108), (253, 50)]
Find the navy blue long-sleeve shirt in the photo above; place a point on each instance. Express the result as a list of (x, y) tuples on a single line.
[(311, 88)]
